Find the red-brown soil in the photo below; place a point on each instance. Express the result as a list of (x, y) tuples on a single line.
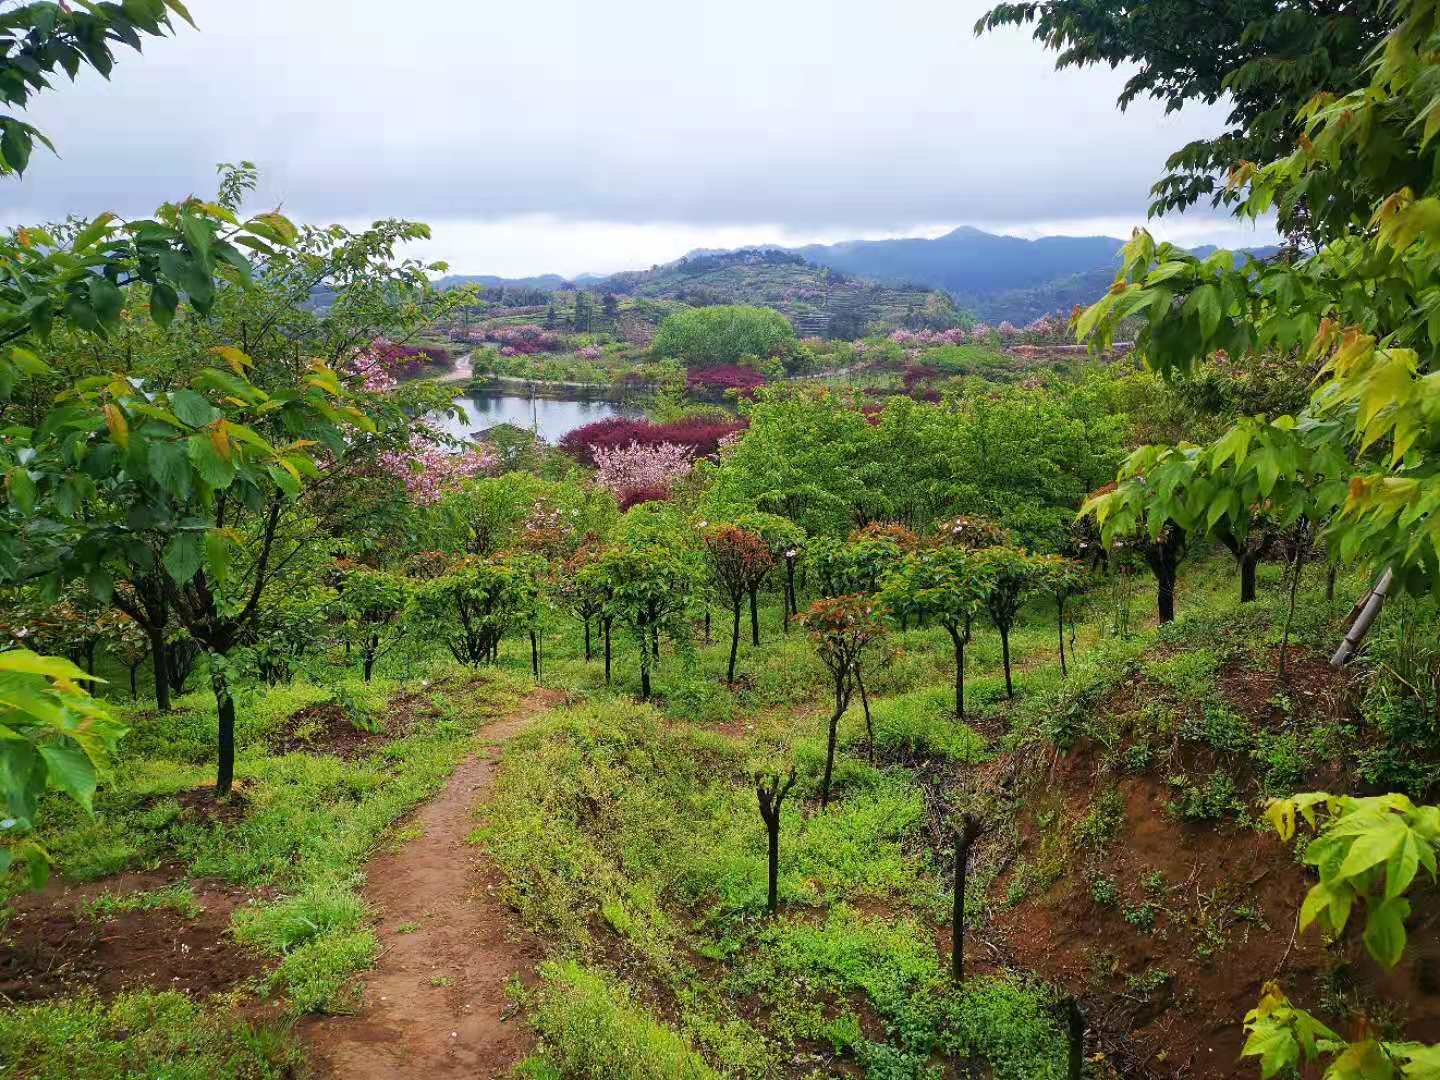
[(51, 947), (435, 1004), (1170, 1002)]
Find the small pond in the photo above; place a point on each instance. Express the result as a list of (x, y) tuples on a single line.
[(552, 418)]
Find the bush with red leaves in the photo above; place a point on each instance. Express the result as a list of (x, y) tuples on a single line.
[(700, 435), (717, 380), (915, 374)]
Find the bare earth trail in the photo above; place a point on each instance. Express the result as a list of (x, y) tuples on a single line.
[(435, 1003)]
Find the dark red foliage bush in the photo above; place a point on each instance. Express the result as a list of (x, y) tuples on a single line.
[(919, 373), (723, 377), (701, 435)]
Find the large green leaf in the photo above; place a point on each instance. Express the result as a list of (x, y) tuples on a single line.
[(182, 556), (70, 771)]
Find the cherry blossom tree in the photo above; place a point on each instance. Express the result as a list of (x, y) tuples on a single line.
[(636, 468)]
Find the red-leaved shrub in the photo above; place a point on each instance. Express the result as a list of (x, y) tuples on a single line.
[(723, 377), (702, 436)]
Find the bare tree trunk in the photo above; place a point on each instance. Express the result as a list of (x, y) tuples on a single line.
[(734, 644), (970, 828), (754, 618), (842, 702), (959, 644), (771, 795), (1005, 655), (160, 663), (1060, 622), (865, 704), (607, 623), (1075, 1037), (1363, 620), (587, 640), (225, 708)]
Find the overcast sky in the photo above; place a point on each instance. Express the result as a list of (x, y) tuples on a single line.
[(567, 136)]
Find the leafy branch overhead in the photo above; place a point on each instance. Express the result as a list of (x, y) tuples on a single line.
[(37, 40)]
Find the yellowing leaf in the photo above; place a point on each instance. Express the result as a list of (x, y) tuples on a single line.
[(119, 427), (237, 360)]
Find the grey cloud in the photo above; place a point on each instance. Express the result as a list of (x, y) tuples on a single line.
[(811, 114)]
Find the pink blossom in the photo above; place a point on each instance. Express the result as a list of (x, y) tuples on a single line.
[(627, 470), (429, 470), (590, 352)]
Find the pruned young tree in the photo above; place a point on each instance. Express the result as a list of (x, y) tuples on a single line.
[(785, 541), (125, 640), (770, 790), (583, 593), (949, 585), (1008, 574), (650, 586), (842, 629), (738, 561), (473, 606), (371, 605)]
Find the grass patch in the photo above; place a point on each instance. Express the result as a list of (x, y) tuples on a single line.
[(145, 1034)]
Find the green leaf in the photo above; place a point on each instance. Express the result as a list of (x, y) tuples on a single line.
[(193, 408), (163, 302), (100, 584), (70, 770), (106, 300), (182, 556), (25, 662), (1205, 302), (1385, 930), (15, 144), (215, 471), (170, 466), (22, 489), (217, 555), (87, 236)]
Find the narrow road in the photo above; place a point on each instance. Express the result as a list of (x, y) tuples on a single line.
[(435, 1005)]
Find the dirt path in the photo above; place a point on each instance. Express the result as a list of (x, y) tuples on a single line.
[(435, 1004)]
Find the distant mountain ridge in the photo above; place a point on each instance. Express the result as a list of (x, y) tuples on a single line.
[(996, 277)]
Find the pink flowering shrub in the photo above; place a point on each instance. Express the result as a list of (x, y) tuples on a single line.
[(701, 436), (524, 340), (635, 470), (429, 470), (380, 365), (590, 352)]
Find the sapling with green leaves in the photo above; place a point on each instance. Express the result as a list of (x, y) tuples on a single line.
[(1062, 578), (650, 586), (785, 540), (1008, 574), (949, 585), (474, 605), (371, 604), (842, 630)]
